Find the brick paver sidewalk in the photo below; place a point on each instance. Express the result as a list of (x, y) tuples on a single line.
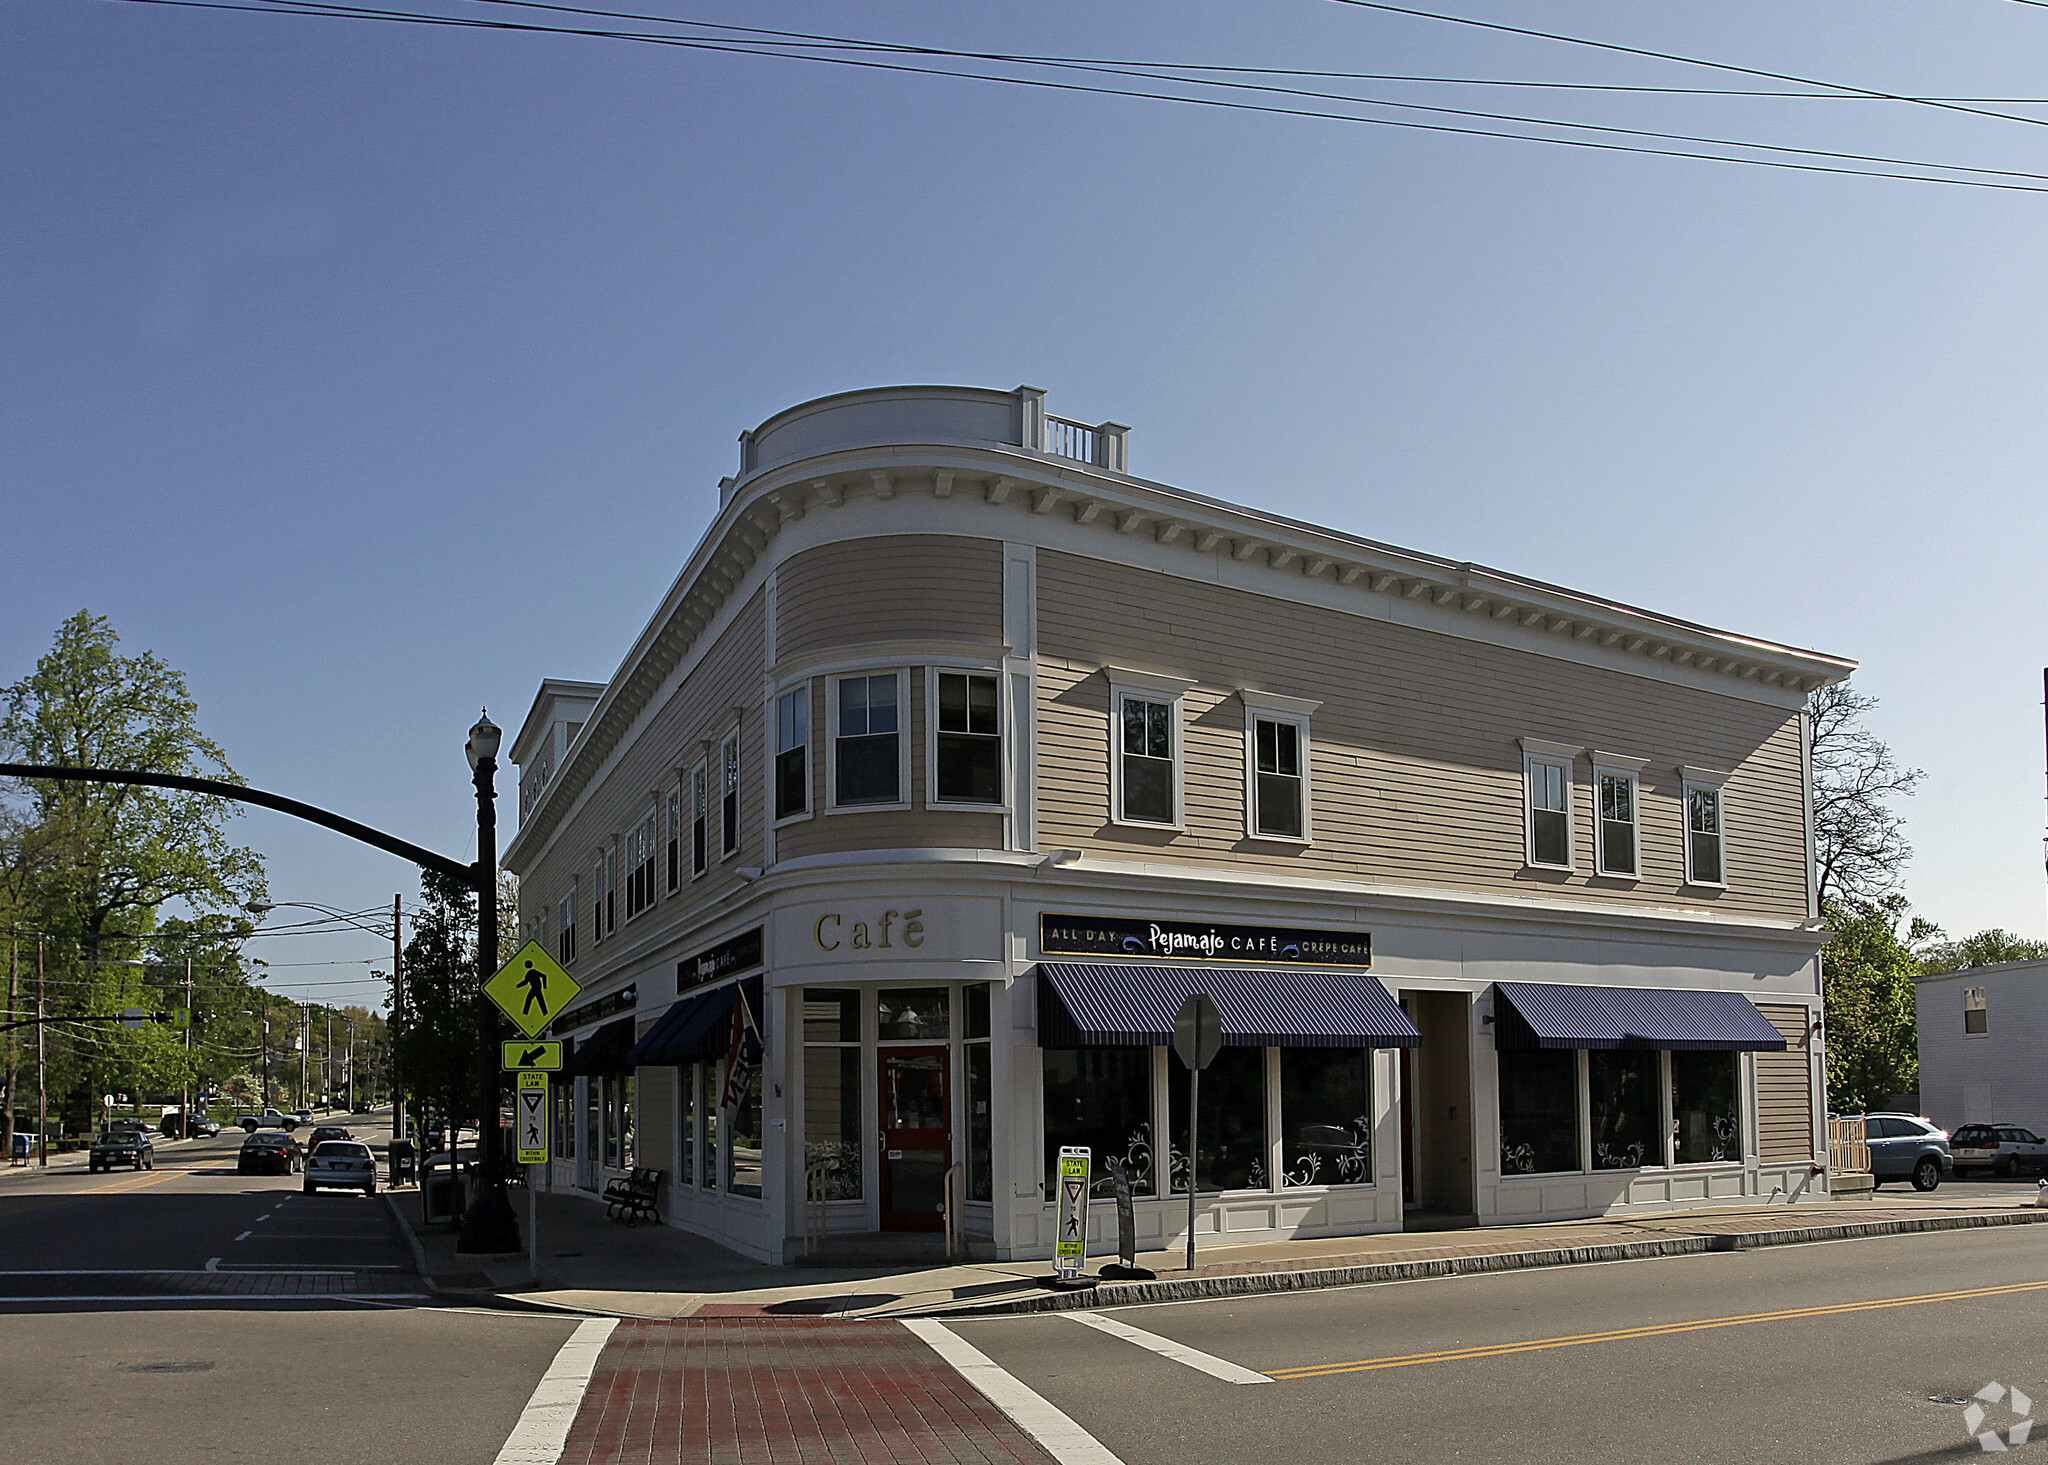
[(784, 1391)]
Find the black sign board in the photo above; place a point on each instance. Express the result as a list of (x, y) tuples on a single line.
[(1170, 940), (737, 954), (623, 1000)]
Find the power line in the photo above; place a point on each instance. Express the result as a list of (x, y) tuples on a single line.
[(336, 11), (1516, 30)]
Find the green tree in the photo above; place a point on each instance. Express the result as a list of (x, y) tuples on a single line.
[(434, 1034), (1986, 948), (1868, 1001)]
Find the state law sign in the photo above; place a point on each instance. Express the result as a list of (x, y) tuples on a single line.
[(532, 1113)]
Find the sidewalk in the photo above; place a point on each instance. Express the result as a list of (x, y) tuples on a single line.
[(591, 1264)]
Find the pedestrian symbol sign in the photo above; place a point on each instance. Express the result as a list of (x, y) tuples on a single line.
[(533, 1119), (1070, 1249), (532, 989), (539, 1055)]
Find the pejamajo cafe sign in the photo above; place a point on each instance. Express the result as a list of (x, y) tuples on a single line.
[(1124, 936)]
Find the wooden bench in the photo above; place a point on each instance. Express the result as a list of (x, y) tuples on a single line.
[(634, 1196)]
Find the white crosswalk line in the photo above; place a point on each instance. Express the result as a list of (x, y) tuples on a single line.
[(1209, 1363), (543, 1426), (1063, 1439)]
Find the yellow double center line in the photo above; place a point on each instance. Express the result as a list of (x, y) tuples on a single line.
[(1657, 1330)]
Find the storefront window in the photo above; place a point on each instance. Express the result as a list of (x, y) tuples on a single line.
[(913, 1012), (610, 1090), (745, 1134), (1626, 1091), (565, 1121), (628, 1151), (707, 1088), (980, 1127), (975, 1016), (1231, 1138), (832, 1091), (1539, 1111), (1705, 1123), (1101, 1098), (1325, 1116), (831, 1015), (686, 1124)]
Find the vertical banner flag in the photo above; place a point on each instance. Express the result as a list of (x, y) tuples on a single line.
[(745, 1051), (1071, 1249), (532, 1118)]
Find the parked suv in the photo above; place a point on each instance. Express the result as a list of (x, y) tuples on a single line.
[(1908, 1147), (2005, 1149)]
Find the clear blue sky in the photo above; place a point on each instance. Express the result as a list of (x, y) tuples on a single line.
[(370, 373)]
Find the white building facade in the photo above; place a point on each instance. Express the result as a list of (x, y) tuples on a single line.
[(956, 757)]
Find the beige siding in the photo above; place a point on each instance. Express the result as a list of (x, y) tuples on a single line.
[(918, 827), (905, 587), (670, 744), (1784, 1088), (1416, 771)]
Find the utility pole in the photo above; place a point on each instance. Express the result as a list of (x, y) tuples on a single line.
[(42, 1073), (263, 1022), (13, 1043), (397, 1009), (305, 1050), (185, 1080)]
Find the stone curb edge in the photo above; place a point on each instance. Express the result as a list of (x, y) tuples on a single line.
[(1129, 1294)]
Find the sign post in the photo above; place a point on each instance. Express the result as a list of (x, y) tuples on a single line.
[(1070, 1252), (1197, 1035), (532, 1133)]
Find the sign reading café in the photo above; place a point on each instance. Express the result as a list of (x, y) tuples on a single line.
[(1127, 936)]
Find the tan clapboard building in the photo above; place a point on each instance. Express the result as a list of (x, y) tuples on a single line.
[(957, 758)]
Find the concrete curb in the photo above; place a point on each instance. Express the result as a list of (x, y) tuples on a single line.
[(412, 1240), (1130, 1294)]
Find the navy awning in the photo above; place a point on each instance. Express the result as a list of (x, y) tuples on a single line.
[(1127, 1004), (1547, 1015), (696, 1028), (604, 1051)]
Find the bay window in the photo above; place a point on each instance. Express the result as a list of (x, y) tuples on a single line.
[(967, 741), (867, 741)]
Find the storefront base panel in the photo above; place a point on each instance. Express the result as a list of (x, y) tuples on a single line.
[(1162, 1224), (1577, 1197)]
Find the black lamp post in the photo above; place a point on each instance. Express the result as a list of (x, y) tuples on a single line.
[(489, 1224)]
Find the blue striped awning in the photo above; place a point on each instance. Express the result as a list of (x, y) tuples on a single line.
[(696, 1028), (1127, 1004), (1547, 1015)]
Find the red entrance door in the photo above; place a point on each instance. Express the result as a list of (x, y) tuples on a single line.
[(916, 1138)]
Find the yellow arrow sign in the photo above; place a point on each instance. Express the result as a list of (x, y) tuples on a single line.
[(540, 1055), (532, 989)]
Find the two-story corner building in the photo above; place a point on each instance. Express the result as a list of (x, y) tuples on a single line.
[(956, 757)]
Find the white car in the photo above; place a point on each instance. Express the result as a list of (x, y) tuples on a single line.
[(344, 1162)]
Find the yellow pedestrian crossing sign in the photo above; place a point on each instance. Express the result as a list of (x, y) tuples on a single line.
[(533, 1055), (532, 989)]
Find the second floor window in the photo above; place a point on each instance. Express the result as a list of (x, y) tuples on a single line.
[(1550, 813), (1617, 824), (1976, 1011), (969, 741), (611, 889), (866, 746), (1704, 864), (565, 932), (729, 795), (792, 739), (675, 840), (700, 815), (1278, 758), (640, 867), (1146, 753)]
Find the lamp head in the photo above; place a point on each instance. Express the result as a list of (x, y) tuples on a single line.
[(483, 740), (259, 908)]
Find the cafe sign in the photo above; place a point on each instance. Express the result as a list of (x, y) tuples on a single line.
[(1173, 940)]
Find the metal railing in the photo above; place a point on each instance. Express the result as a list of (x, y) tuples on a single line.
[(1849, 1146), (956, 1220)]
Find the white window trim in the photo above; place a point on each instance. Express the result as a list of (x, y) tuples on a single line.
[(703, 766), (1690, 779), (739, 833), (1149, 687), (678, 831), (1296, 712), (1537, 753), (994, 670), (904, 733), (652, 821), (1618, 765), (810, 808), (1983, 1006)]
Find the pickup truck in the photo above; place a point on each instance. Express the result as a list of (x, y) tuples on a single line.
[(268, 1119)]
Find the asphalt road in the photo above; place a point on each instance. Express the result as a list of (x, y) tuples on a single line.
[(188, 1314), (1784, 1354)]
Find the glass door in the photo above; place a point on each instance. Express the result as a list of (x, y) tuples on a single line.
[(916, 1137)]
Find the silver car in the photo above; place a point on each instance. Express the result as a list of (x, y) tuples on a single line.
[(2005, 1149), (342, 1162)]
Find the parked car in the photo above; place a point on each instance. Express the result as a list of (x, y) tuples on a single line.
[(2004, 1149), (361, 1106), (346, 1162), (121, 1147), (326, 1132), (270, 1152), (1908, 1147)]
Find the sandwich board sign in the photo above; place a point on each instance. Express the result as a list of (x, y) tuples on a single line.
[(1070, 1251), (532, 1118)]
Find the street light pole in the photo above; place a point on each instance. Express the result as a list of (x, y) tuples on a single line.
[(489, 1224)]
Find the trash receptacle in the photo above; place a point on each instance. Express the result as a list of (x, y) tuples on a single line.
[(441, 1191), (405, 1163)]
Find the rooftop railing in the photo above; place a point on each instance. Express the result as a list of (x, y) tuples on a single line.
[(1105, 445)]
